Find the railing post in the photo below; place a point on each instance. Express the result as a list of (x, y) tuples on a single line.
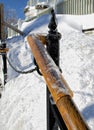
[(4, 63), (2, 39), (2, 34), (53, 117), (53, 39), (53, 50)]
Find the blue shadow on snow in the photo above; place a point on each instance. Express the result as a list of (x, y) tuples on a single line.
[(88, 112)]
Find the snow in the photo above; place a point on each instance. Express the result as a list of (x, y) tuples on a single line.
[(23, 102), (79, 21)]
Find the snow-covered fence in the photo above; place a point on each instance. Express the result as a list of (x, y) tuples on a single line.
[(76, 7)]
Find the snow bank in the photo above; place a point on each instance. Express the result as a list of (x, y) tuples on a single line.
[(76, 22), (23, 103), (79, 21), (25, 106)]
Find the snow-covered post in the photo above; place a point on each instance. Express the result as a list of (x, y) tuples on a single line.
[(53, 49)]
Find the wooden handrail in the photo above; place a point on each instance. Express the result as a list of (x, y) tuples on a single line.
[(13, 28), (57, 86), (4, 50), (49, 70)]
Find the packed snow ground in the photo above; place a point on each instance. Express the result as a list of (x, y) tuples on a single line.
[(23, 102)]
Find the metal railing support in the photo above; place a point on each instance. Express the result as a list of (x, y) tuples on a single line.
[(53, 117), (4, 62)]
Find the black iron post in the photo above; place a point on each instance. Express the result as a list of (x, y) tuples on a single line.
[(53, 116), (4, 62), (53, 39)]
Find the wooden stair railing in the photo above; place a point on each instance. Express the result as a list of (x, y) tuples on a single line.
[(59, 89), (13, 28)]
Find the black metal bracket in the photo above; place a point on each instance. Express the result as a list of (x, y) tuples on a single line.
[(37, 68)]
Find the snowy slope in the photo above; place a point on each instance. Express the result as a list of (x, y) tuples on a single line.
[(23, 103)]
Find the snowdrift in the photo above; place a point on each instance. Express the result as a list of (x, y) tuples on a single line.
[(23, 102)]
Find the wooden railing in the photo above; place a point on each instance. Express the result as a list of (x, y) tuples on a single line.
[(11, 28), (64, 110), (3, 36), (58, 87)]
